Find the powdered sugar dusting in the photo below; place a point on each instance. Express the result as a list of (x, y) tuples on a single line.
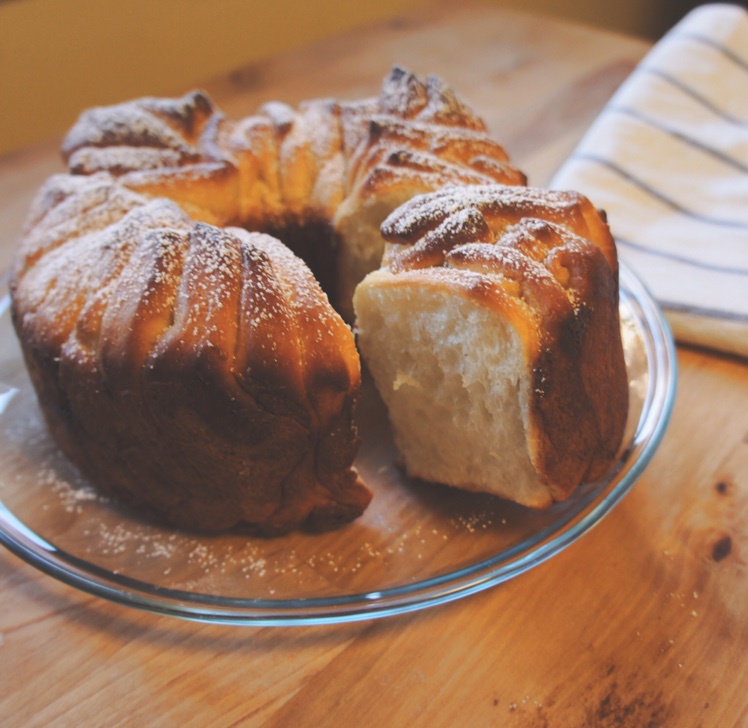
[(532, 233), (500, 204), (142, 124)]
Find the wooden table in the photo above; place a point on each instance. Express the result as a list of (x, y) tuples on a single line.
[(642, 622)]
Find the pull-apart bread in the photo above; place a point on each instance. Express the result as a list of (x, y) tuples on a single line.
[(492, 333), (187, 361)]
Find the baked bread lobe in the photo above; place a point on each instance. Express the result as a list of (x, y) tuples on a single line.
[(176, 367), (188, 362), (493, 336)]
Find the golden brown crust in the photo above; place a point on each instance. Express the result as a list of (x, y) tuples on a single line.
[(193, 368), (546, 262), (337, 168), (176, 367), (303, 162)]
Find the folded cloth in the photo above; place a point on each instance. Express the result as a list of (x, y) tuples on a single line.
[(667, 160)]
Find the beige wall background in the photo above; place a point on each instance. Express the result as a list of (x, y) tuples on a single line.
[(58, 57)]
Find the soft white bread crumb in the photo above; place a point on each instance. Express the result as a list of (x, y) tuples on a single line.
[(457, 398)]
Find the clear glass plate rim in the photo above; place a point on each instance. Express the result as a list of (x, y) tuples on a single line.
[(657, 408)]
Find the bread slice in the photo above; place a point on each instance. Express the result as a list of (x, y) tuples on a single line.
[(500, 361)]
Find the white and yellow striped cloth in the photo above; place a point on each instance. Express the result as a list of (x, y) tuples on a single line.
[(668, 161)]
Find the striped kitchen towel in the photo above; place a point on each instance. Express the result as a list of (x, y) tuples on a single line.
[(667, 159)]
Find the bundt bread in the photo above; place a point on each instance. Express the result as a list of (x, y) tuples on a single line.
[(492, 333), (192, 368)]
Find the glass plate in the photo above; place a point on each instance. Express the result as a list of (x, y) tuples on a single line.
[(417, 545)]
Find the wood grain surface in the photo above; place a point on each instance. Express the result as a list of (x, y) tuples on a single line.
[(642, 622)]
